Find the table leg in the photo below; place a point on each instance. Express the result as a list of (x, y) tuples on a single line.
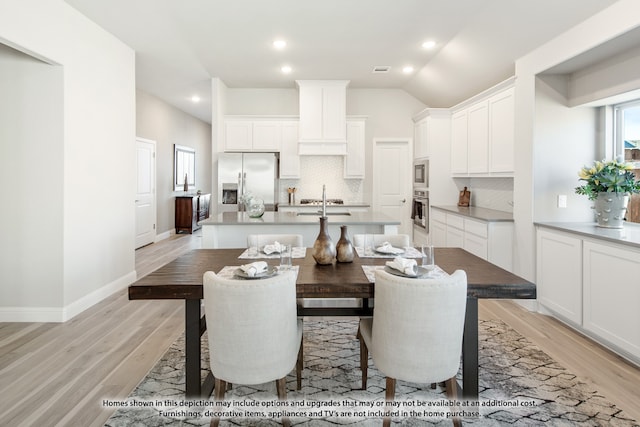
[(470, 351), (192, 348)]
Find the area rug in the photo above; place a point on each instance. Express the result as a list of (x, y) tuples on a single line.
[(520, 385)]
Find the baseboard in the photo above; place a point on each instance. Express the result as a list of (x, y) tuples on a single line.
[(165, 235), (62, 314)]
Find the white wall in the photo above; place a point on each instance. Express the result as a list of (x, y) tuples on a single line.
[(165, 124), (617, 19), (98, 155)]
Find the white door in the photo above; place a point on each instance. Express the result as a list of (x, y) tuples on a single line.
[(145, 192), (392, 181)]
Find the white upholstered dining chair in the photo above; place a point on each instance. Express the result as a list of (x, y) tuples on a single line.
[(416, 331), (257, 240), (396, 240), (253, 330)]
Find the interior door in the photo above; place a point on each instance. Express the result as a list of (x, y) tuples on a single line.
[(145, 192), (392, 181)]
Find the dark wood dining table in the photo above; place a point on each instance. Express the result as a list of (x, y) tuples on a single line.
[(182, 279)]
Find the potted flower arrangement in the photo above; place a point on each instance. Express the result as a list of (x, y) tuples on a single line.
[(609, 184)]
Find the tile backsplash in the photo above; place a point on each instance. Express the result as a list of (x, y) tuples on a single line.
[(492, 193), (318, 170)]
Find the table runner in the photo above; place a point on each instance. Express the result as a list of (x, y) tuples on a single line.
[(296, 252), (409, 252), (370, 272), (228, 271)]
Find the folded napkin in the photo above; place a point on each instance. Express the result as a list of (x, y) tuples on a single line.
[(407, 266), (388, 249), (254, 268), (276, 248)]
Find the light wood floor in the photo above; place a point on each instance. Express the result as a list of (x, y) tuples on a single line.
[(58, 374)]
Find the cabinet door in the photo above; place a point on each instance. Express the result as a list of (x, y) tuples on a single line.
[(334, 111), (289, 159), (476, 245), (459, 143), (478, 138), (611, 294), (438, 234), (238, 135), (501, 129), (354, 160), (266, 136), (420, 139), (559, 274), (455, 237)]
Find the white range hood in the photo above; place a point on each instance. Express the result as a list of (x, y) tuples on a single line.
[(323, 117)]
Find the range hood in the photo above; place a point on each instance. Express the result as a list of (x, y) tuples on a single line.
[(323, 117)]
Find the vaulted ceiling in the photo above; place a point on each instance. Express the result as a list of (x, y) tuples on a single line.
[(181, 45)]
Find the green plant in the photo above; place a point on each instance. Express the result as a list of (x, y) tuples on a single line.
[(614, 176)]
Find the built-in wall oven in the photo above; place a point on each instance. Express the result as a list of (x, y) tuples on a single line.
[(420, 210), (421, 173)]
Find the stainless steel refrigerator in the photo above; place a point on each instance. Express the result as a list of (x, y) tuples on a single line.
[(241, 173)]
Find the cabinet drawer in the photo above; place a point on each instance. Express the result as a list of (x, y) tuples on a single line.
[(476, 245), (455, 221), (438, 215), (476, 227)]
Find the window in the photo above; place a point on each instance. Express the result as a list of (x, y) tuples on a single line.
[(627, 145)]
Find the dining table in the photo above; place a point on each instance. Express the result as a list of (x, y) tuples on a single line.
[(182, 279)]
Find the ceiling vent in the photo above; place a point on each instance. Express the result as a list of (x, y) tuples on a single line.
[(381, 69)]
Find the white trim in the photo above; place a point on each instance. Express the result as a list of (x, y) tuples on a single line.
[(62, 314), (164, 235)]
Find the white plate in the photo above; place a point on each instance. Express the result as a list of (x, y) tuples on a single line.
[(272, 253), (421, 271), (271, 271), (397, 251)]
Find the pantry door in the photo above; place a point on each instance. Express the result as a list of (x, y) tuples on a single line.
[(392, 180), (145, 192)]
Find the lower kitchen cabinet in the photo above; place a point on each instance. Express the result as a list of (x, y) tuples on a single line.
[(190, 209), (592, 285), (559, 274)]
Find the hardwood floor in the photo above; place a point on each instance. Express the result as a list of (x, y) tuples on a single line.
[(59, 373)]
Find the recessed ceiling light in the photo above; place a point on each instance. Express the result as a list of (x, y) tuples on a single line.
[(429, 44), (285, 69), (407, 70), (279, 44), (195, 98)]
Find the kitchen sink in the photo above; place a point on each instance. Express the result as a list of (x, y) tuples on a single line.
[(318, 213)]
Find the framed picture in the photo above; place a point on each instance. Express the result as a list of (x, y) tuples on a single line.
[(184, 169)]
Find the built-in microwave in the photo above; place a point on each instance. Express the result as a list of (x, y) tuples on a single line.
[(421, 173)]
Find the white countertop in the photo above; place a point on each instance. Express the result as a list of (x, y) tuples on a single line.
[(628, 235), (484, 214), (335, 206), (292, 218)]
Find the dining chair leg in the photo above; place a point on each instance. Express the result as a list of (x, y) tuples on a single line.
[(364, 360), (220, 389), (389, 394), (299, 366), (452, 394), (281, 389)]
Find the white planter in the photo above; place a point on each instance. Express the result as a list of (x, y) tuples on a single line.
[(611, 209)]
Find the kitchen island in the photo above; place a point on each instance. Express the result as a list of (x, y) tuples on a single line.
[(230, 229)]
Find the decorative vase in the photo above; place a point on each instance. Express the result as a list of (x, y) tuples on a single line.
[(344, 248), (611, 209), (324, 251), (255, 208)]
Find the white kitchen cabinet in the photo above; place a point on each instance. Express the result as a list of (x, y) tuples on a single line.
[(611, 294), (559, 274), (323, 127), (478, 138), (455, 237), (252, 135), (501, 129), (354, 160), (438, 234), (289, 159), (459, 143), (482, 134), (421, 139)]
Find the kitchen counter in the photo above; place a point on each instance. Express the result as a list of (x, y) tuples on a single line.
[(230, 229), (308, 205), (629, 235), (484, 214)]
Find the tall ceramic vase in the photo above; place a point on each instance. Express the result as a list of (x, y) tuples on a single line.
[(344, 248), (611, 209), (324, 251)]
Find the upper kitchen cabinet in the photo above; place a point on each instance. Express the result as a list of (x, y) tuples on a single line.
[(251, 134), (289, 159), (354, 160), (428, 129), (482, 134), (323, 126)]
